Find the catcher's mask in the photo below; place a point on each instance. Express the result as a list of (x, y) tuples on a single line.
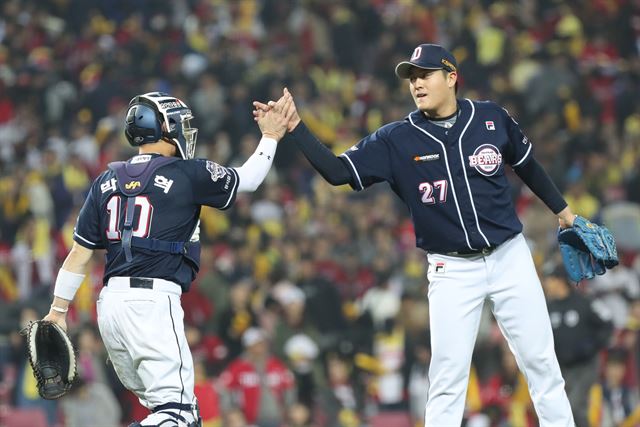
[(156, 115)]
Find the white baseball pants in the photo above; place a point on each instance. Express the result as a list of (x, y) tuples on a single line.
[(458, 289), (143, 332)]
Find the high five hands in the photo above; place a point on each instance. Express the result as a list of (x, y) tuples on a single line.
[(273, 119), (284, 106)]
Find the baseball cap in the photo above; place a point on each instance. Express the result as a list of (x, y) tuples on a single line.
[(252, 336), (428, 57)]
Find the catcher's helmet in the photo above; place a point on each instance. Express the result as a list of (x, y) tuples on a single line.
[(157, 115)]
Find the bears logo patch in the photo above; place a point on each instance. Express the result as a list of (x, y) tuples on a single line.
[(486, 159)]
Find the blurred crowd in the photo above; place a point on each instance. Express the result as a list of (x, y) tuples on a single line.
[(310, 308)]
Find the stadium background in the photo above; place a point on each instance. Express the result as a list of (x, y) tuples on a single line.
[(331, 276)]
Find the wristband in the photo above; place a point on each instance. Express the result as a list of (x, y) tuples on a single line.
[(59, 309), (67, 284)]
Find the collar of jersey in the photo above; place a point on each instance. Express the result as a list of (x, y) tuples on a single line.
[(442, 119), (463, 111)]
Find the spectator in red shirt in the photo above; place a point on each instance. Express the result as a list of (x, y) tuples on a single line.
[(257, 382), (208, 398)]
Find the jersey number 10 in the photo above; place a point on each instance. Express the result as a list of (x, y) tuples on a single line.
[(144, 220)]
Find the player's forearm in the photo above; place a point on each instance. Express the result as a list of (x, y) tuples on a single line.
[(71, 275), (332, 169), (534, 175), (77, 259), (255, 169)]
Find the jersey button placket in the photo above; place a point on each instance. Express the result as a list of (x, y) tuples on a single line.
[(466, 208)]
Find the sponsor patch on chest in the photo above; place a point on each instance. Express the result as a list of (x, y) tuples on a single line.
[(426, 157), (486, 159)]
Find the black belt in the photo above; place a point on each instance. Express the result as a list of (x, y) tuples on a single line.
[(139, 282), (473, 252)]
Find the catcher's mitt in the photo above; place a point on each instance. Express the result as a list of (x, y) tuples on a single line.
[(587, 249), (52, 358)]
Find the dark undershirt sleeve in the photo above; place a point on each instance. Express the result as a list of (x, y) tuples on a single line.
[(534, 175), (332, 168)]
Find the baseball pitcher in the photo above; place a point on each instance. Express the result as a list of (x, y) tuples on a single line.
[(447, 160)]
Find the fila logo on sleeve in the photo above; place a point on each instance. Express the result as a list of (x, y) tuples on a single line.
[(486, 159), (490, 125)]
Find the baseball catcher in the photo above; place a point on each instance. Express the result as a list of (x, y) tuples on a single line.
[(587, 249), (52, 358)]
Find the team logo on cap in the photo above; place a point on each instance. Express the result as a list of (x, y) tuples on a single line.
[(416, 53), (486, 159)]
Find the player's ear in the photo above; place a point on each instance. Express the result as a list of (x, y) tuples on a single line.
[(452, 78)]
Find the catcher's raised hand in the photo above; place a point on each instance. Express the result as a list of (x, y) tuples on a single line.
[(273, 122), (294, 118)]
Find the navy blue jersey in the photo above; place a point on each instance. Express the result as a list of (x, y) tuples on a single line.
[(167, 209), (453, 180)]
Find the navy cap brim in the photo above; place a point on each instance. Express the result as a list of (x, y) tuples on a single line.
[(403, 69)]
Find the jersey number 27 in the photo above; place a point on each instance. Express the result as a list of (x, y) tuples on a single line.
[(427, 190), (143, 225)]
